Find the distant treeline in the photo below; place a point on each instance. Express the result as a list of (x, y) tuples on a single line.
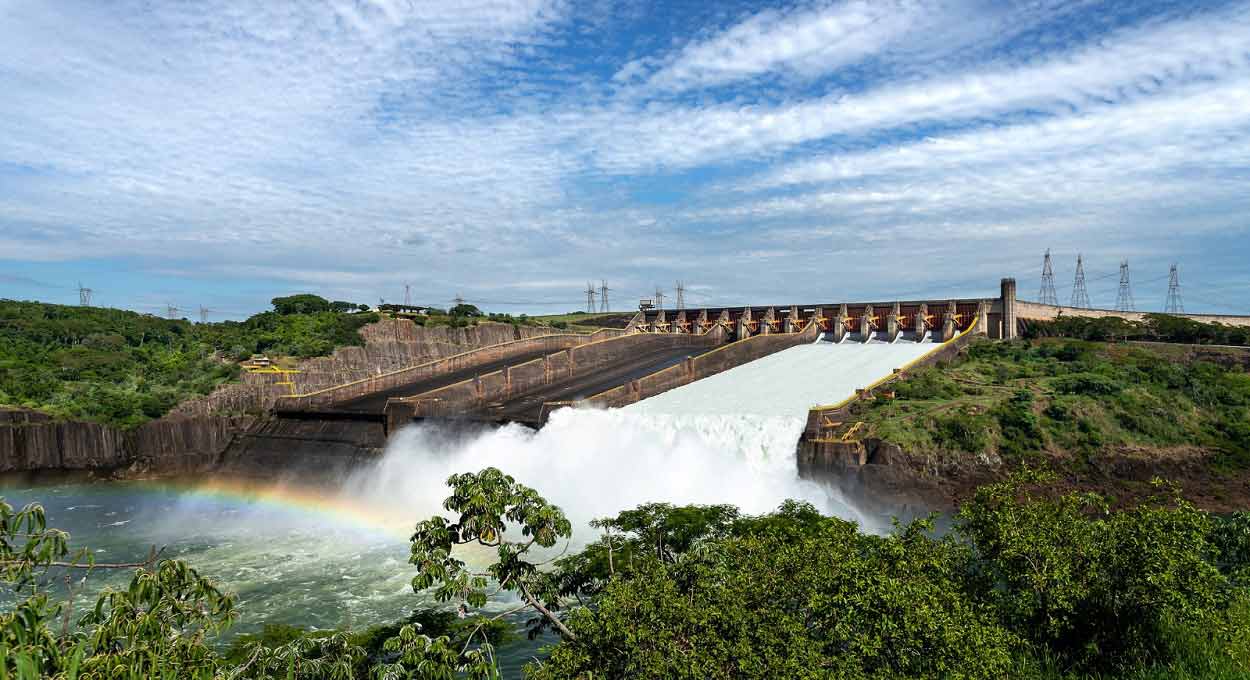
[(1155, 328)]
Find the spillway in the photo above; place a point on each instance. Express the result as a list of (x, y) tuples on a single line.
[(790, 382)]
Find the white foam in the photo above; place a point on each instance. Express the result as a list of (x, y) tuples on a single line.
[(788, 383)]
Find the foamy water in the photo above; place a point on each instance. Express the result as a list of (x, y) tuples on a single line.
[(594, 463)]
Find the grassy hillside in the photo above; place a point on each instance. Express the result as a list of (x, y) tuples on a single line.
[(122, 368), (1024, 399)]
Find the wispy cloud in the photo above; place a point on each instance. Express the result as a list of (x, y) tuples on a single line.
[(472, 145)]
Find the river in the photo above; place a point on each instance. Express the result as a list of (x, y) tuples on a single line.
[(337, 557)]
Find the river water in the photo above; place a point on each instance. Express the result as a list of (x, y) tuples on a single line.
[(337, 557)]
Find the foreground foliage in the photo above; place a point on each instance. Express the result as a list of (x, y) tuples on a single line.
[(1023, 586)]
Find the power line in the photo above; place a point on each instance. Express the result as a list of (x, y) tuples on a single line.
[(1080, 297), (1047, 293), (84, 295), (1124, 299), (603, 297), (1174, 304)]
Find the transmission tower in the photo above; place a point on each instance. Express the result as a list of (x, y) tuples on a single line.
[(1124, 301), (681, 295), (603, 297), (407, 295), (459, 299), (1080, 298), (204, 312), (1174, 304), (84, 295), (590, 297), (171, 311), (659, 298), (1047, 295)]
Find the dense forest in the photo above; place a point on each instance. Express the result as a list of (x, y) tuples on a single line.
[(1023, 586), (122, 368), (1024, 399)]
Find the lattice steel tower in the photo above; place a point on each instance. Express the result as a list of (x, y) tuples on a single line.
[(84, 295), (1174, 304), (1124, 300), (1047, 295), (1080, 297), (681, 295), (603, 297), (590, 298)]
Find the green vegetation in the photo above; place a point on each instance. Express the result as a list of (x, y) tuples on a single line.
[(1155, 328), (1067, 396), (122, 368), (1024, 586)]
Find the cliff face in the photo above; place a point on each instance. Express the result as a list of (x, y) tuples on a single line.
[(390, 344), (31, 441)]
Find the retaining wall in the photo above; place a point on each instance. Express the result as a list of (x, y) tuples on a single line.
[(457, 362), (514, 381)]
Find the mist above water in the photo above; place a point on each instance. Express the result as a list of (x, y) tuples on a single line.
[(594, 463)]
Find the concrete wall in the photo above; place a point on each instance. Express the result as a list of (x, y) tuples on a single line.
[(1034, 311), (457, 362), (31, 441), (697, 368), (390, 345), (518, 380)]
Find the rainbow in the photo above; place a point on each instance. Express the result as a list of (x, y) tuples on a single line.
[(305, 499)]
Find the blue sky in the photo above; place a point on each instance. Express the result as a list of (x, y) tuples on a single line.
[(219, 153)]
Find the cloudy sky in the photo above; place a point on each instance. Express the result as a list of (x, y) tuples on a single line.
[(219, 153)]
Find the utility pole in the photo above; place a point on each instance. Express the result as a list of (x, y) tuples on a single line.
[(603, 297), (407, 295), (1047, 295), (659, 298), (590, 297), (1124, 300), (1080, 298), (681, 296), (171, 311), (84, 295), (1174, 304)]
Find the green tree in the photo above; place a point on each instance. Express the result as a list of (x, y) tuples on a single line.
[(304, 303)]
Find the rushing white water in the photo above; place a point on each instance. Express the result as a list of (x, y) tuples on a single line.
[(595, 463), (790, 382)]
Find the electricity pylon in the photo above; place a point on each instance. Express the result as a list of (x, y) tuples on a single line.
[(603, 297), (1080, 297), (590, 297), (1047, 295), (1174, 303), (1124, 300), (84, 295)]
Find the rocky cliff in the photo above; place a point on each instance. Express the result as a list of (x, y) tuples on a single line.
[(31, 442)]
